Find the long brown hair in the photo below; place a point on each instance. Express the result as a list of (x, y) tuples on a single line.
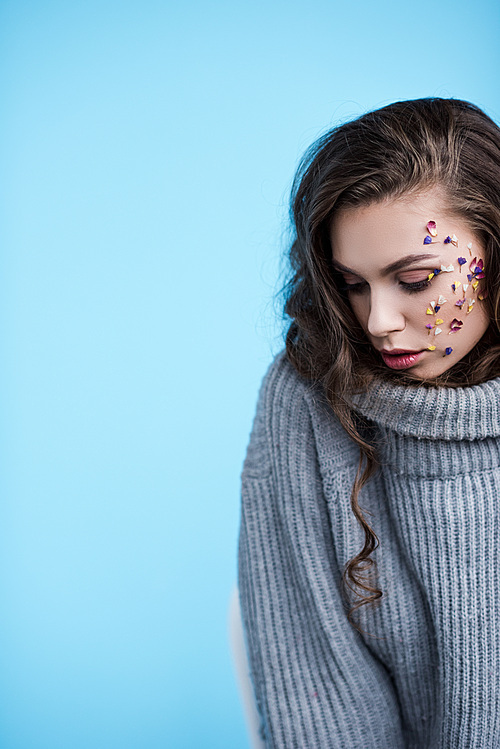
[(401, 149)]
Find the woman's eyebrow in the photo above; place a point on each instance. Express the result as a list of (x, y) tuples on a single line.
[(392, 267)]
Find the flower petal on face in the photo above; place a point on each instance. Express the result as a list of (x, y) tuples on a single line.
[(428, 240), (475, 284), (437, 331), (432, 228), (478, 271), (430, 276), (461, 261), (460, 302), (477, 267), (447, 351), (466, 286), (447, 240), (441, 299), (469, 276), (431, 348), (470, 305), (454, 240), (439, 321), (437, 308), (455, 325), (469, 247), (429, 311), (447, 268)]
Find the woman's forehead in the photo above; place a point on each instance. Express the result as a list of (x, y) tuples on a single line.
[(380, 234)]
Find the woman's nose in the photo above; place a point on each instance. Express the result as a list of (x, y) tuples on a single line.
[(384, 317)]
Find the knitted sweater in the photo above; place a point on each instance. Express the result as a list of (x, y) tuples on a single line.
[(427, 672)]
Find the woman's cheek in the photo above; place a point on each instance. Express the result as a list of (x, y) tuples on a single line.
[(454, 298), (358, 308)]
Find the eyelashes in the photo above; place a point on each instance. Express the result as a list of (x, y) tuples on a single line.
[(410, 288), (354, 288), (416, 286)]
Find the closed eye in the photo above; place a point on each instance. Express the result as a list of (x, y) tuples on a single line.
[(355, 288), (416, 285), (410, 288)]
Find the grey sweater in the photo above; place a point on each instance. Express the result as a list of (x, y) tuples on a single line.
[(427, 673)]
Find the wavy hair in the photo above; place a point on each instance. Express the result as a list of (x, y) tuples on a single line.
[(399, 150)]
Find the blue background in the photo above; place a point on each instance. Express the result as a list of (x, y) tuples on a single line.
[(146, 153)]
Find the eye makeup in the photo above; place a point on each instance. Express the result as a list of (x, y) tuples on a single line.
[(411, 287)]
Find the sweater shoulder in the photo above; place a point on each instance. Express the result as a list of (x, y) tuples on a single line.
[(286, 402)]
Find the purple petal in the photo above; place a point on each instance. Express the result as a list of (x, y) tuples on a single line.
[(428, 240)]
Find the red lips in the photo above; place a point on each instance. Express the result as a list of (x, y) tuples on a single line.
[(397, 358), (398, 351)]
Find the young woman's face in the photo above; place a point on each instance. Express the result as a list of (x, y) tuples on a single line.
[(420, 324)]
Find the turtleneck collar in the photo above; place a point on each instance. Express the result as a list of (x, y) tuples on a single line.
[(465, 413)]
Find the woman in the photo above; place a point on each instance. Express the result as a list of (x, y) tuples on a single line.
[(369, 556)]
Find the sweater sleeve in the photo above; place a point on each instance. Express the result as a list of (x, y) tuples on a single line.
[(316, 683)]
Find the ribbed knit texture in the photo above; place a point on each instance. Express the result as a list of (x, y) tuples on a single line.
[(427, 673)]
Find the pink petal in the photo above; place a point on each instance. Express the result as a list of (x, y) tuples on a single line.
[(431, 228)]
